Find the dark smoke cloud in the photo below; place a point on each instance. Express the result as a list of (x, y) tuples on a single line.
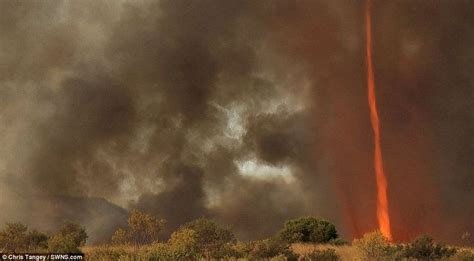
[(89, 114), (428, 93), (281, 137), (258, 208), (179, 203), (164, 105)]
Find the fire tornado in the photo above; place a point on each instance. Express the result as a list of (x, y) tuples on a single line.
[(381, 180)]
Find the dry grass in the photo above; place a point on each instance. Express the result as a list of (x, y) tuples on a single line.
[(118, 252), (127, 252), (124, 248), (345, 252), (350, 253)]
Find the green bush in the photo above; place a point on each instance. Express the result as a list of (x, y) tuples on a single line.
[(70, 237), (270, 248), (184, 244), (212, 240), (375, 246), (37, 241), (308, 229), (142, 229), (240, 250), (338, 242), (181, 246), (63, 244), (75, 231), (424, 247), (120, 237), (321, 255), (201, 238), (13, 238)]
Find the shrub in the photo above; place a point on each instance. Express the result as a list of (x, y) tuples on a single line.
[(375, 246), (269, 248), (338, 242), (70, 237), (142, 229), (212, 240), (159, 251), (120, 237), (424, 247), (62, 244), (240, 249), (37, 241), (13, 238), (321, 255), (308, 229), (108, 253), (184, 244), (181, 246), (75, 231), (464, 255)]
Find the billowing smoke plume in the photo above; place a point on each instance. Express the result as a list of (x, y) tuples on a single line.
[(247, 112)]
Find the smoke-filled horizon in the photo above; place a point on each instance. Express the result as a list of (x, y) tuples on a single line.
[(246, 112)]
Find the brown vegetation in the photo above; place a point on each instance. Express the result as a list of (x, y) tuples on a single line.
[(303, 239), (15, 238)]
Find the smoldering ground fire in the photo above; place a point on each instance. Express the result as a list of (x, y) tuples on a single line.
[(159, 105)]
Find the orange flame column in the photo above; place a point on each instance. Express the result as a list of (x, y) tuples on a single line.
[(381, 180)]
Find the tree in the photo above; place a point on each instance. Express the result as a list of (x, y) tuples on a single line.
[(271, 248), (69, 238), (424, 247), (375, 246), (37, 240), (120, 237), (210, 237), (308, 229), (142, 229), (13, 238), (183, 244), (16, 238)]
